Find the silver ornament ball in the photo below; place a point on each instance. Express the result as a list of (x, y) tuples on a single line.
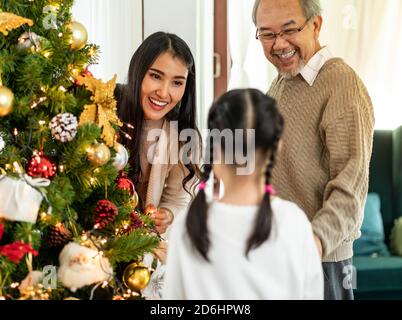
[(28, 40), (2, 143), (121, 158)]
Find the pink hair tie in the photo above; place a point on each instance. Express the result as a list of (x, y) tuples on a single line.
[(202, 185), (270, 189)]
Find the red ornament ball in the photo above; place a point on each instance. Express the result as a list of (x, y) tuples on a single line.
[(124, 183), (40, 166)]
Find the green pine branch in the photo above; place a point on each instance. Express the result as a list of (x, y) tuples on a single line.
[(60, 193), (130, 247), (27, 233), (7, 268)]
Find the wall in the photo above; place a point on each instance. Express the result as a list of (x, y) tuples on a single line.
[(116, 26), (191, 20)]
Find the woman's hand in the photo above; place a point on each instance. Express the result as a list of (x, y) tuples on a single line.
[(163, 219), (161, 251)]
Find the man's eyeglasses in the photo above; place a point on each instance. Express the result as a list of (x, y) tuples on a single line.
[(287, 34)]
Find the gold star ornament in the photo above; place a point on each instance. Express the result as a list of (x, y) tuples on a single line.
[(10, 21), (103, 110)]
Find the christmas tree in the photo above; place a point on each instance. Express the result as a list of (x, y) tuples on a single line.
[(68, 225)]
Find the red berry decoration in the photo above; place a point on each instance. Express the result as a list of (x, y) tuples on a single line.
[(124, 183), (1, 230), (41, 167), (136, 221), (105, 212), (86, 73)]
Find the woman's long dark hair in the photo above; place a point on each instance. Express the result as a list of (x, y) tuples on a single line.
[(129, 100), (239, 109)]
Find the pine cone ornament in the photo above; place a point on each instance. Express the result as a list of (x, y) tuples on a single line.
[(135, 223), (58, 235), (64, 127), (105, 212)]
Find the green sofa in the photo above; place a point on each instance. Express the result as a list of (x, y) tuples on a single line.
[(381, 277)]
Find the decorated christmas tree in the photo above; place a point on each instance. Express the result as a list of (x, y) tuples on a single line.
[(68, 224)]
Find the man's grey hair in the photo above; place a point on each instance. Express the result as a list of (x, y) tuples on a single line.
[(311, 8)]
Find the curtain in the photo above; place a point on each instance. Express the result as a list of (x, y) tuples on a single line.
[(249, 68), (365, 33), (116, 26)]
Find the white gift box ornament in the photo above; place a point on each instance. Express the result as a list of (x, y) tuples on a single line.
[(19, 198)]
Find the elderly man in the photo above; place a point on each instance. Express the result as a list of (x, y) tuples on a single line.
[(324, 161)]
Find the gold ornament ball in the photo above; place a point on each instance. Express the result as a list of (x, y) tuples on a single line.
[(136, 276), (54, 7), (134, 200), (79, 35), (98, 154), (6, 101)]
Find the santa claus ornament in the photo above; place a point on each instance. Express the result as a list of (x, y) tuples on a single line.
[(81, 266)]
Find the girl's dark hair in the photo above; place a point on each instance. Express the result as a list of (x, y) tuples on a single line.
[(239, 109), (129, 100)]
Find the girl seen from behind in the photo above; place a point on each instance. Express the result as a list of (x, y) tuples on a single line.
[(249, 244)]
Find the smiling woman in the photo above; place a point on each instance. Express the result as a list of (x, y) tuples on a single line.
[(160, 89), (163, 86)]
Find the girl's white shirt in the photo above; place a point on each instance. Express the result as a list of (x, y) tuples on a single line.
[(287, 266)]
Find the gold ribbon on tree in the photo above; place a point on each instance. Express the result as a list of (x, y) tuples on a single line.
[(10, 21), (103, 111)]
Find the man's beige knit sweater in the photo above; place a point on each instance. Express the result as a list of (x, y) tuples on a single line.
[(324, 161)]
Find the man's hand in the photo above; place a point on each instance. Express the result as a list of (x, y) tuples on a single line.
[(163, 219), (319, 245)]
